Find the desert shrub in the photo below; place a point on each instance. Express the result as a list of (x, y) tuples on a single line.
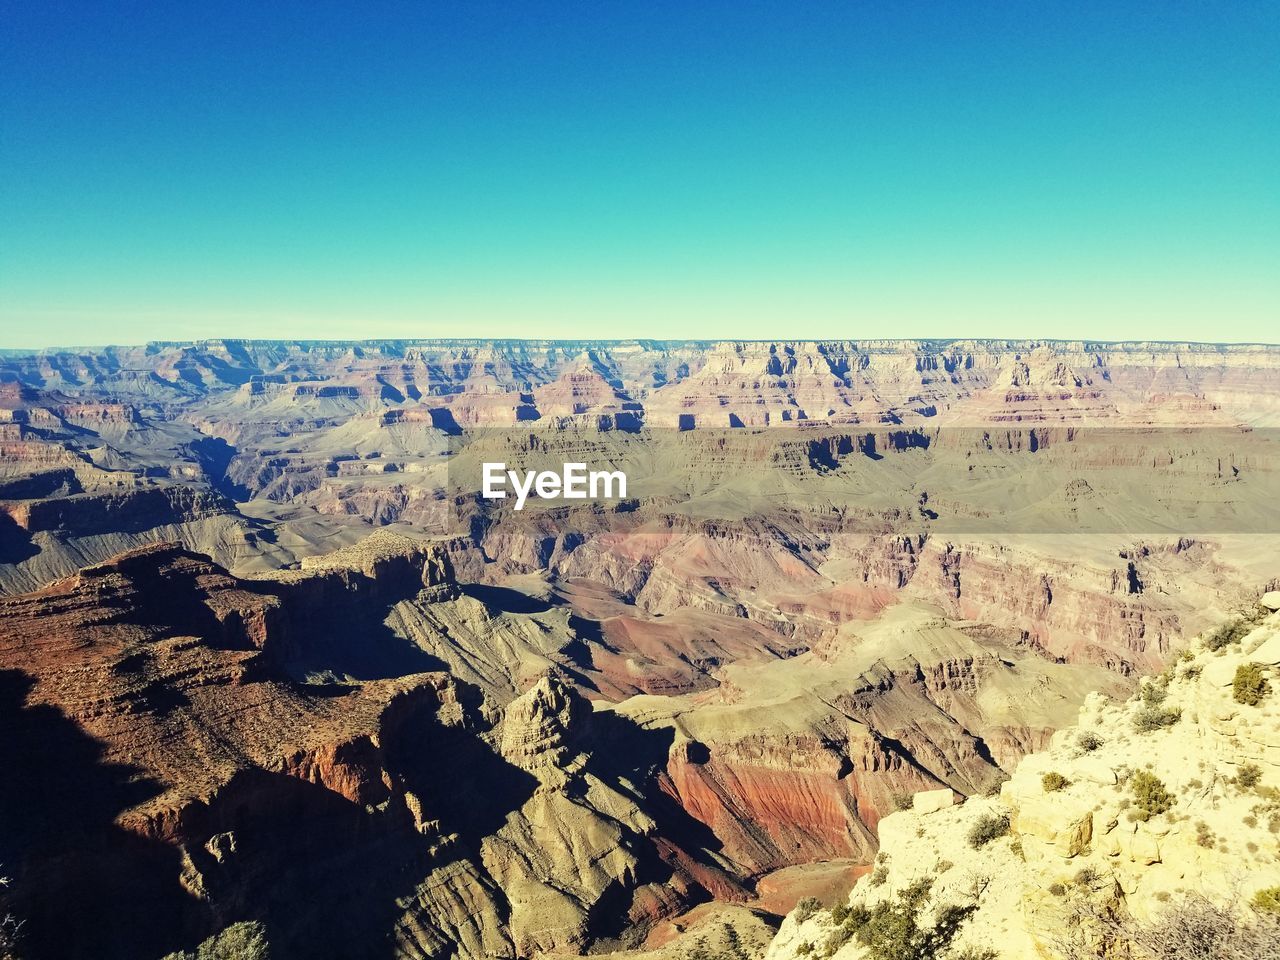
[(1190, 929), (988, 827), (974, 953), (240, 941), (10, 926), (1250, 684), (1150, 798), (836, 939), (879, 875), (902, 801), (897, 930), (805, 949), (1086, 877), (806, 908), (944, 866), (1268, 900), (1204, 836), (1088, 741), (1058, 889), (1053, 781), (1151, 717), (1248, 776), (1154, 691), (1231, 632)]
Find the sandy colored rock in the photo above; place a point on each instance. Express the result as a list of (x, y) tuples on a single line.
[(927, 801)]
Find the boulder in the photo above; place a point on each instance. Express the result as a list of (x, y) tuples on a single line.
[(928, 801)]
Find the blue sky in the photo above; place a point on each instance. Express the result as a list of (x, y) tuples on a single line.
[(1076, 170)]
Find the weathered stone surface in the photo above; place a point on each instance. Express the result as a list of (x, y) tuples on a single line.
[(927, 801)]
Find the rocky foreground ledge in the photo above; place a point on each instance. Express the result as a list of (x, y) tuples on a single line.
[(1150, 821)]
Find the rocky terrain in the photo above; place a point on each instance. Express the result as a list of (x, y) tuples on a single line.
[(293, 672), (1148, 828)]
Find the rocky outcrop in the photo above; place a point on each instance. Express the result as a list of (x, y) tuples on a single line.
[(1140, 806)]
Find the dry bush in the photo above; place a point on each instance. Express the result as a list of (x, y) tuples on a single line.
[(10, 926), (986, 828), (1053, 781), (806, 908), (1231, 632), (1191, 929)]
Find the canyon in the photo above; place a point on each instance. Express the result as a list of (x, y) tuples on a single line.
[(268, 655)]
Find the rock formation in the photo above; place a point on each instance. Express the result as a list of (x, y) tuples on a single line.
[(1143, 810)]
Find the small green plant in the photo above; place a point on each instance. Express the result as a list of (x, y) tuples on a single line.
[(1268, 900), (240, 941), (1088, 741), (1086, 877), (903, 801), (1204, 836), (988, 827), (1053, 781), (1058, 889), (1154, 691), (1231, 632), (879, 875), (1250, 684), (1151, 718), (1248, 776), (894, 929), (1150, 797), (836, 939), (806, 908), (805, 949)]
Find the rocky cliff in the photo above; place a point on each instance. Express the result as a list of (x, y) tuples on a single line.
[(1149, 821)]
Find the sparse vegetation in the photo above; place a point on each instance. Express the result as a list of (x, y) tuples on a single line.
[(1268, 900), (10, 926), (240, 941), (1248, 776), (1250, 685), (903, 801), (1154, 690), (897, 929), (1150, 797), (1054, 781), (1151, 717), (1190, 929), (806, 908), (1231, 632), (1086, 877), (1088, 741), (988, 827), (1204, 836), (879, 875)]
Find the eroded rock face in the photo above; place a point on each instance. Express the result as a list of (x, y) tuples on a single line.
[(160, 743)]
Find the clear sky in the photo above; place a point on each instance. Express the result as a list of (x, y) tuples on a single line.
[(860, 168)]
